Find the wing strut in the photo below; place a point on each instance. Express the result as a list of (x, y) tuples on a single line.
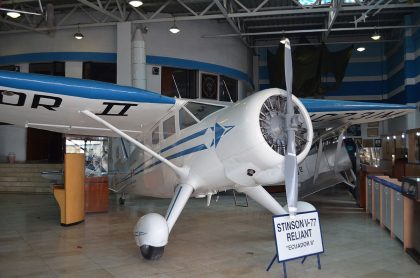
[(318, 161), (181, 172), (337, 152)]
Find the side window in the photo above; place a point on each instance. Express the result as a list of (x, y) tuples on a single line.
[(169, 127), (185, 119), (155, 136)]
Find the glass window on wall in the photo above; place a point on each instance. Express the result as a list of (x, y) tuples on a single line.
[(177, 82), (10, 68), (209, 86), (95, 150), (53, 68), (105, 72), (228, 86)]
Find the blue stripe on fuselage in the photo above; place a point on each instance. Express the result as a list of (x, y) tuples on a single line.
[(183, 140), (79, 88), (179, 142), (173, 156)]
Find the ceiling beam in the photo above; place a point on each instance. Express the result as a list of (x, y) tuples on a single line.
[(186, 7), (99, 9), (230, 21), (311, 31), (160, 9), (332, 16), (18, 25)]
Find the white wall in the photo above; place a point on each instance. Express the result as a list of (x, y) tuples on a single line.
[(153, 81), (12, 139), (98, 39), (124, 76), (189, 44)]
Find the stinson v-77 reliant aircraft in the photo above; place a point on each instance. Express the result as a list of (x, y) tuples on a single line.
[(191, 148)]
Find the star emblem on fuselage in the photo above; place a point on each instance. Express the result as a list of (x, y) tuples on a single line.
[(219, 131)]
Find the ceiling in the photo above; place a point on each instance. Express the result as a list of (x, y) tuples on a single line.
[(258, 23)]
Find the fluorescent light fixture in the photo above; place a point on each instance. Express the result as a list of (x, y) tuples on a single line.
[(135, 3), (174, 29), (361, 49), (13, 14), (375, 36)]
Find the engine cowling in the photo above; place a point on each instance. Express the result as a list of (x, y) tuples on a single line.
[(255, 152)]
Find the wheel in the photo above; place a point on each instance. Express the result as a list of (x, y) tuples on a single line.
[(151, 253), (121, 200)]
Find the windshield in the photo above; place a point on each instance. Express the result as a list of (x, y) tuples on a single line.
[(202, 110)]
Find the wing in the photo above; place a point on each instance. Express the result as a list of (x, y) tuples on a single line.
[(53, 103), (334, 113)]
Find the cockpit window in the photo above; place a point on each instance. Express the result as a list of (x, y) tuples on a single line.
[(169, 127), (185, 119), (155, 136), (202, 110)]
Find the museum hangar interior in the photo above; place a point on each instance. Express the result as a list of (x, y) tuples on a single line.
[(115, 113)]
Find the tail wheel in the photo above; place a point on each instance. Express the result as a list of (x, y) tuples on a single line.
[(151, 253)]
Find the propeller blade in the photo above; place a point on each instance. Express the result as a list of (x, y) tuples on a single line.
[(288, 68), (291, 175)]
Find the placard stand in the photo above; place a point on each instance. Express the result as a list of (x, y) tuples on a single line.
[(297, 237), (284, 263)]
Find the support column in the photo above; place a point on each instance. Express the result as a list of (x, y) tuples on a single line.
[(139, 60), (124, 73)]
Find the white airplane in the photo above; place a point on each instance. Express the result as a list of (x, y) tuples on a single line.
[(192, 148)]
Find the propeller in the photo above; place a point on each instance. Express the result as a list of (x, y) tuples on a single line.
[(291, 174)]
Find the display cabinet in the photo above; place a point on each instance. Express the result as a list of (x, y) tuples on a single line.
[(411, 188)]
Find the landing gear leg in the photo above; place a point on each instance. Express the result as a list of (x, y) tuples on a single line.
[(261, 196), (178, 202)]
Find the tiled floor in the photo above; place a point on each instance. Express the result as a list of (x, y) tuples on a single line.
[(220, 241)]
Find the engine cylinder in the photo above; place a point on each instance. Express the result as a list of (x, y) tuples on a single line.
[(273, 124)]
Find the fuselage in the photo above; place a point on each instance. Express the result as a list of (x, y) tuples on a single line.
[(219, 149)]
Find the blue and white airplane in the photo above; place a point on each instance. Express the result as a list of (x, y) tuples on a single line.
[(190, 148)]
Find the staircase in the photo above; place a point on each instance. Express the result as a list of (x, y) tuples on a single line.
[(26, 178)]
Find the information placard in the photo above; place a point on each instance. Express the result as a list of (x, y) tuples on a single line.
[(297, 237)]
